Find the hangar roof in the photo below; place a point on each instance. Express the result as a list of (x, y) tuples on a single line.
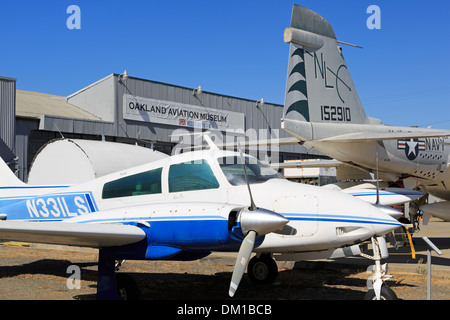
[(35, 104)]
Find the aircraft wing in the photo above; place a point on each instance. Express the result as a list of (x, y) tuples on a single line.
[(348, 137), (75, 234), (336, 132), (377, 136)]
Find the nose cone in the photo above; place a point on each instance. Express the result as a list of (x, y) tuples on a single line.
[(382, 222), (261, 221)]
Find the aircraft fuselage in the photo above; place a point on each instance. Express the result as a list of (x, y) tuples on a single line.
[(425, 160)]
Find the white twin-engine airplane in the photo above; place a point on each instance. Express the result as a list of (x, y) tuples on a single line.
[(186, 206), (322, 110)]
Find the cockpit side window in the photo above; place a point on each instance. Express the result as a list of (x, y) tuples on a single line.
[(257, 172), (192, 175), (143, 183)]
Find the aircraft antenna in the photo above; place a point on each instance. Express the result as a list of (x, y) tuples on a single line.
[(350, 44), (252, 203)]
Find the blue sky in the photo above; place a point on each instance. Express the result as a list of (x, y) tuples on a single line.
[(232, 47)]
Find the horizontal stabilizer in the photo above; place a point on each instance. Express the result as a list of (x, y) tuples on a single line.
[(73, 234)]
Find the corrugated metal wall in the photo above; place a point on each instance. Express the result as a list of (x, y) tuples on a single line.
[(105, 100), (7, 118), (24, 127)]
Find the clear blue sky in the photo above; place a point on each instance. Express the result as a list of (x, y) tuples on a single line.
[(232, 47)]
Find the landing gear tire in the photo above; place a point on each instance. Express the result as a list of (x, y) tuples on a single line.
[(386, 294), (127, 288), (262, 269)]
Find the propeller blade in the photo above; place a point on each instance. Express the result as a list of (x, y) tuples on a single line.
[(252, 203), (259, 221), (242, 260)]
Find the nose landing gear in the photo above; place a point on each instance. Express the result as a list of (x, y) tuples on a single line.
[(378, 289)]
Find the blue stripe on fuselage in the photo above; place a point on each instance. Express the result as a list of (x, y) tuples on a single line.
[(339, 218)]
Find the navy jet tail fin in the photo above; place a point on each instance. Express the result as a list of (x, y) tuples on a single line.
[(319, 87)]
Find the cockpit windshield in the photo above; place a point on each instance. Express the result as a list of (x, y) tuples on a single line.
[(257, 171)]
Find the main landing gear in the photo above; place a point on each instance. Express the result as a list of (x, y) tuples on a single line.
[(112, 285), (262, 269)]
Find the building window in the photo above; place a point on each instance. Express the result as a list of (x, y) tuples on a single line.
[(193, 175), (148, 182)]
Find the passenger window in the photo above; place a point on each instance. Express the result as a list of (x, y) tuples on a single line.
[(139, 184), (193, 175)]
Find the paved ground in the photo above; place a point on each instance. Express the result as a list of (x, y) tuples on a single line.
[(36, 273)]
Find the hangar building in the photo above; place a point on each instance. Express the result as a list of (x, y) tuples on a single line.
[(121, 108)]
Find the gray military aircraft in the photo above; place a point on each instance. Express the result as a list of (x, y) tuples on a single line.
[(323, 111)]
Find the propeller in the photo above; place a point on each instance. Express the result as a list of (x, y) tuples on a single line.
[(254, 221)]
